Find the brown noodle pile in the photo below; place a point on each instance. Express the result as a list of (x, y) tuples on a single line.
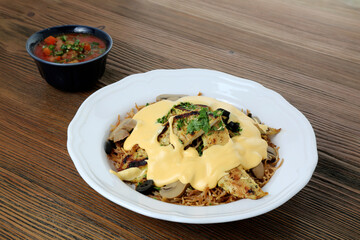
[(193, 197)]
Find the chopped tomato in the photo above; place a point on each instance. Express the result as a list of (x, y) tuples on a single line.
[(58, 58), (47, 51), (87, 46), (50, 40)]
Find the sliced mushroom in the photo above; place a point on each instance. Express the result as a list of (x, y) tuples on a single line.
[(173, 190), (258, 171), (171, 97), (271, 153), (262, 128), (122, 130), (256, 119), (119, 134), (128, 124), (272, 131)]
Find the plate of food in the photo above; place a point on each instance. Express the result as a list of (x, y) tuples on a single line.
[(192, 146)]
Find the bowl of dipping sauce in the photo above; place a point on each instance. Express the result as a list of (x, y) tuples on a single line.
[(70, 57)]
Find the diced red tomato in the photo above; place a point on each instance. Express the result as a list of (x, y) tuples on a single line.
[(87, 46), (50, 40), (47, 51), (58, 58)]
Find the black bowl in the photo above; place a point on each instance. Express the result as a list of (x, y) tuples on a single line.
[(70, 76)]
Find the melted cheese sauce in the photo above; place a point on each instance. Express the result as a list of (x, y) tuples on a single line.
[(168, 164)]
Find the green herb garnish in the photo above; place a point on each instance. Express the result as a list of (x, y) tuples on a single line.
[(76, 43), (180, 123), (59, 53), (165, 118), (217, 113), (94, 45), (162, 120), (187, 105), (218, 127), (200, 123), (64, 47)]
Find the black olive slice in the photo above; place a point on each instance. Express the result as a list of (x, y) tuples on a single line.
[(233, 126), (145, 187), (109, 145), (225, 115)]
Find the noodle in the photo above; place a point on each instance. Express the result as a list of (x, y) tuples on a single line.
[(193, 197)]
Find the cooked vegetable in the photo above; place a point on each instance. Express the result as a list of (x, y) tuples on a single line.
[(171, 97), (50, 40), (259, 171), (173, 190), (122, 130), (239, 183)]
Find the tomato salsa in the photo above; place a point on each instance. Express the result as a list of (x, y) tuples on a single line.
[(70, 48)]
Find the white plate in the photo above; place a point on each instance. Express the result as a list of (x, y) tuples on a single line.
[(89, 129)]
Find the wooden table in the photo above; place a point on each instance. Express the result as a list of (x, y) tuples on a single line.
[(308, 51)]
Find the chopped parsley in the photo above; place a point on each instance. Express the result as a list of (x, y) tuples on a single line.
[(63, 38), (187, 105), (59, 53), (217, 113), (180, 123), (94, 44), (200, 123), (163, 119), (218, 127)]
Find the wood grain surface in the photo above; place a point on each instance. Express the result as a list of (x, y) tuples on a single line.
[(306, 50)]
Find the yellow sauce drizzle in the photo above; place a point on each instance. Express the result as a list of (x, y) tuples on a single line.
[(167, 164)]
